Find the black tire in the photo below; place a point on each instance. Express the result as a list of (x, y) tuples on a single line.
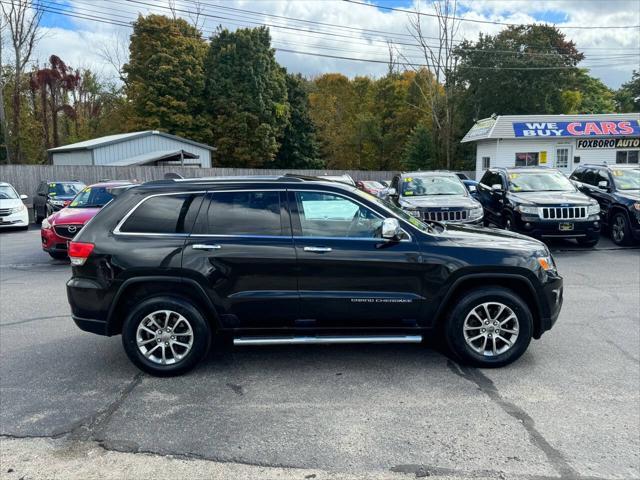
[(58, 255), (36, 218), (588, 242), (507, 222), (620, 229), (454, 333), (199, 326)]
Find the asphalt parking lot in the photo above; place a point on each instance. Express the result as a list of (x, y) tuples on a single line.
[(570, 408)]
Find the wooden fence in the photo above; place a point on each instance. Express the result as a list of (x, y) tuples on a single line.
[(25, 178)]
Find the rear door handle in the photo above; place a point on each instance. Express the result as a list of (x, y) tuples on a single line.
[(317, 249), (203, 246)]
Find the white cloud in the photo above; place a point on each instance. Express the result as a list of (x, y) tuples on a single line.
[(81, 46)]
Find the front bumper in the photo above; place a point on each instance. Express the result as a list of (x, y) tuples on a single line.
[(52, 242), (19, 219), (535, 227), (553, 296)]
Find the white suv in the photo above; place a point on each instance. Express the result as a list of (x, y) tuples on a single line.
[(13, 212)]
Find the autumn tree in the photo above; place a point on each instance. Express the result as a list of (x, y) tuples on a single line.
[(165, 76), (246, 98)]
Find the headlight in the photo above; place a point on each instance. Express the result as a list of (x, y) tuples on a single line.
[(636, 206), (547, 264), (17, 209), (415, 213), (594, 209), (528, 209), (45, 224), (476, 213), (58, 203)]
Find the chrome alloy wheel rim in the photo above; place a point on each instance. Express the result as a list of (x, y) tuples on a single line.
[(618, 229), (491, 329), (164, 337)]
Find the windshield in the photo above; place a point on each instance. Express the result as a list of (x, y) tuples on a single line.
[(396, 211), (431, 185), (64, 189), (627, 179), (95, 197), (539, 182), (7, 193)]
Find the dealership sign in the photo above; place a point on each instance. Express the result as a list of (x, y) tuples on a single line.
[(587, 143), (577, 129)]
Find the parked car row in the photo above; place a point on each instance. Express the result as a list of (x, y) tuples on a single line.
[(536, 201)]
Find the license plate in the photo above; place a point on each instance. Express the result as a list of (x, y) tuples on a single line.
[(565, 227)]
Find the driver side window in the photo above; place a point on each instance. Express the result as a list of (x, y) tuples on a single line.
[(329, 215)]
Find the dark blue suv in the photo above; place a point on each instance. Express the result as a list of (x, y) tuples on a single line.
[(617, 190)]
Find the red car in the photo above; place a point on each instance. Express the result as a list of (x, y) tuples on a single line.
[(370, 186), (59, 228)]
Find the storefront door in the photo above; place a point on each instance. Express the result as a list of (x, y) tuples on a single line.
[(563, 159)]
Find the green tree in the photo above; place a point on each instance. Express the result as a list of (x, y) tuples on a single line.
[(628, 96), (588, 95), (521, 70), (418, 151), (165, 76), (299, 148), (246, 97)]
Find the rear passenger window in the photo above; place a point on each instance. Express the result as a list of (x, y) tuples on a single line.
[(241, 213), (164, 214)]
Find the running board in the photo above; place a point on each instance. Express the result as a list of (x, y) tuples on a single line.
[(322, 340)]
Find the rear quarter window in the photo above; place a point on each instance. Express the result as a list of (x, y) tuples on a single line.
[(164, 214)]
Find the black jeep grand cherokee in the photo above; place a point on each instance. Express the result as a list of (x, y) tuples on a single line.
[(539, 202), (288, 260)]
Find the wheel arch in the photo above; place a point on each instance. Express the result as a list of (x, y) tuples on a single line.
[(516, 283), (134, 290)]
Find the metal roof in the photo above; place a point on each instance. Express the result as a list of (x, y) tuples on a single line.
[(122, 137), (151, 157), (502, 125)]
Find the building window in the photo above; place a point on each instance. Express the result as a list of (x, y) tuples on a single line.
[(562, 158), (529, 159), (627, 156), (486, 163)]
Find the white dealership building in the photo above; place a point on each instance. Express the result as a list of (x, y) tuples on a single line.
[(559, 141)]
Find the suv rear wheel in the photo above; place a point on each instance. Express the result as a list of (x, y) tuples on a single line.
[(166, 336), (490, 327)]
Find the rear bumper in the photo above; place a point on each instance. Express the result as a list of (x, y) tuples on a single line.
[(89, 305)]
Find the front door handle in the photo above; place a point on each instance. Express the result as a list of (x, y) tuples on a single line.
[(203, 246), (317, 249)]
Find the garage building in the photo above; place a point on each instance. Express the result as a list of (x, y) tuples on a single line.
[(559, 141), (149, 147)]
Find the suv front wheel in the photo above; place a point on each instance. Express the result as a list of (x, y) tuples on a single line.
[(166, 336), (489, 327)]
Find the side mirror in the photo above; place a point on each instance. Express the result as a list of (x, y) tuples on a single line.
[(391, 229), (603, 184), (24, 197), (392, 192), (496, 187)]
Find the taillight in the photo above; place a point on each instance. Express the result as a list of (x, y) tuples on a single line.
[(79, 252)]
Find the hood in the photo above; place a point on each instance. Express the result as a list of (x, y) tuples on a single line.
[(492, 238), (630, 194), (550, 198), (74, 215), (439, 201), (10, 202)]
